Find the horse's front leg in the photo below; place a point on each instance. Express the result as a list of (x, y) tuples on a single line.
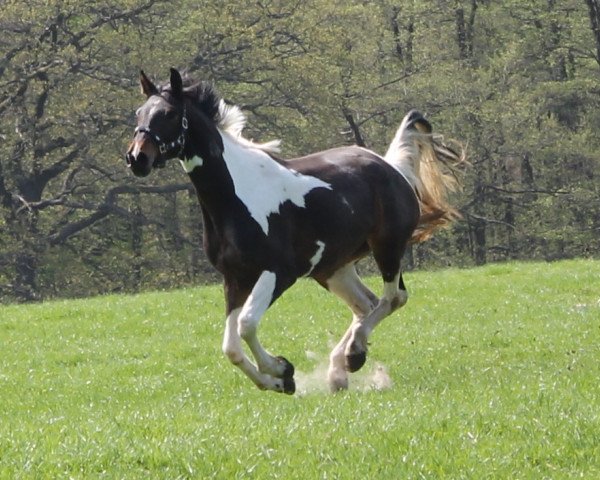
[(271, 373)]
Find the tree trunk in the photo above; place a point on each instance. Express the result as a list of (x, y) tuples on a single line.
[(464, 30), (594, 11), (479, 241), (137, 241), (173, 221), (403, 49), (25, 284), (558, 67), (354, 127)]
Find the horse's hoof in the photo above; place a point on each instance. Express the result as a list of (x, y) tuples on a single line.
[(354, 361), (289, 386), (338, 385), (288, 371), (337, 378)]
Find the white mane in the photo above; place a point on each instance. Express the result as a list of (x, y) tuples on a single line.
[(232, 120)]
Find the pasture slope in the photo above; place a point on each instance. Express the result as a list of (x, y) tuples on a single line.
[(495, 375)]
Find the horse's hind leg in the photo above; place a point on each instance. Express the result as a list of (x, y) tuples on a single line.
[(394, 297), (346, 284), (356, 348)]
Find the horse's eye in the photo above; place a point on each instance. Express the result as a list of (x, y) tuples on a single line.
[(171, 114)]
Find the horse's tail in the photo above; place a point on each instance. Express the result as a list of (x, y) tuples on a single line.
[(430, 165)]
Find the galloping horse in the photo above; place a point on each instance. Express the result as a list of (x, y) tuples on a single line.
[(268, 221)]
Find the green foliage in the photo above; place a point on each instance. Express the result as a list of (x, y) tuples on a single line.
[(516, 82), (494, 375)]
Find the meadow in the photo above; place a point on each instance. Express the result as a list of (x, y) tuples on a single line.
[(488, 373)]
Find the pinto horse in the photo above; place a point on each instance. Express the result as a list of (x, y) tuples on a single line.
[(268, 221)]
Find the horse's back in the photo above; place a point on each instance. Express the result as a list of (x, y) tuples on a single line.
[(357, 170), (353, 157)]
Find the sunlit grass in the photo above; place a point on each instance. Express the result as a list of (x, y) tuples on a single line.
[(495, 375)]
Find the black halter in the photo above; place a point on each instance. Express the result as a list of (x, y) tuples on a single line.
[(167, 147)]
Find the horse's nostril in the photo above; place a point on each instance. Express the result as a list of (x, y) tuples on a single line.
[(139, 164)]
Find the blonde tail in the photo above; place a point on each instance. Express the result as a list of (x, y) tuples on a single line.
[(431, 166)]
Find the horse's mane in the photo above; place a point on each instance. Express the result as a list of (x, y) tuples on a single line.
[(229, 118)]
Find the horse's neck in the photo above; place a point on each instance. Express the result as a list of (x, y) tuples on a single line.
[(255, 179), (241, 174)]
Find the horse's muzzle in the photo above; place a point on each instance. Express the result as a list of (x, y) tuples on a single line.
[(140, 157), (140, 165)]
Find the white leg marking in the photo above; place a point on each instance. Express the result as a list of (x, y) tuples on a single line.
[(232, 348), (254, 308), (346, 284), (232, 345), (256, 304), (393, 298)]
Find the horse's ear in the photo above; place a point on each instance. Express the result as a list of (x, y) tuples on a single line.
[(148, 88), (176, 83)]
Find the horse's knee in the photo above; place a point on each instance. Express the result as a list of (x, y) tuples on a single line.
[(247, 325), (233, 354), (400, 299)]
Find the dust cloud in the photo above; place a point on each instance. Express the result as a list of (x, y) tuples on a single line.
[(370, 377)]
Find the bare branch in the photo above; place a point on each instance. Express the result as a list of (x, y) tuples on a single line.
[(527, 191), (109, 206), (489, 220)]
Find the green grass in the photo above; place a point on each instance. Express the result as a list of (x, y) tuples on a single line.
[(495, 375)]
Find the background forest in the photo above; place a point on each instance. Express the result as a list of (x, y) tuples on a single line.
[(518, 82)]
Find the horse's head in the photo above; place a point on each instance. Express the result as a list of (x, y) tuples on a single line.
[(161, 128)]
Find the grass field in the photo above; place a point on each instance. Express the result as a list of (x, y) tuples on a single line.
[(495, 374)]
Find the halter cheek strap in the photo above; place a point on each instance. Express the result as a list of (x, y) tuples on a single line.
[(167, 147)]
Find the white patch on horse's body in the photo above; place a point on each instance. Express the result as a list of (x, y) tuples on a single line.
[(261, 183), (316, 258), (189, 164)]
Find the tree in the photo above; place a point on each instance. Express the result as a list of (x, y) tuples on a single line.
[(594, 12), (56, 109), (516, 82)]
